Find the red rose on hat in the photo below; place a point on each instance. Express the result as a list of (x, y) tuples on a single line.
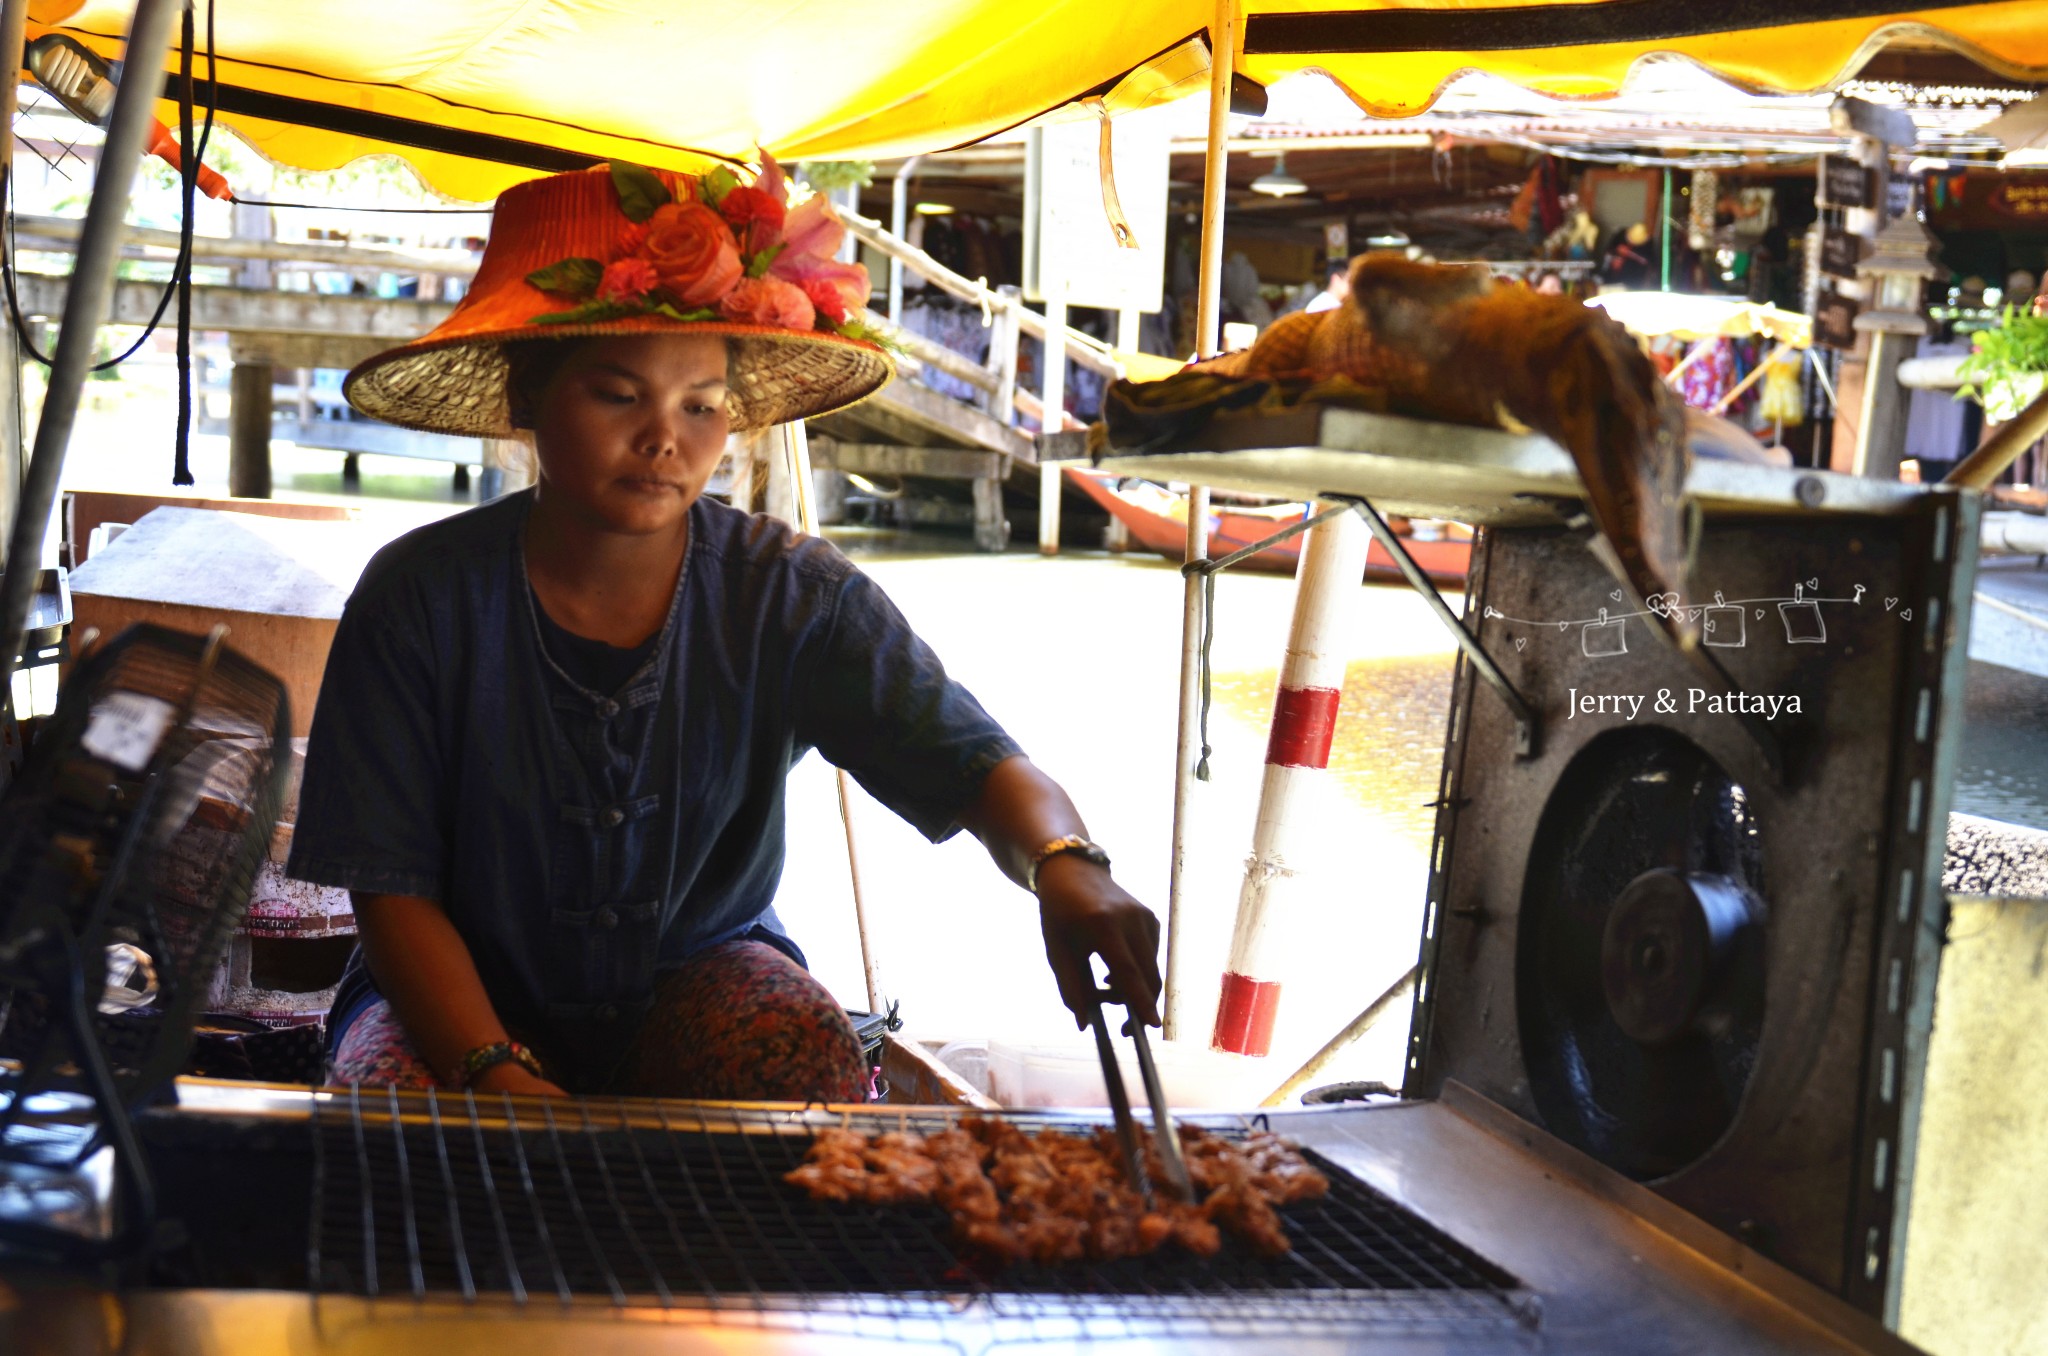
[(627, 280), (754, 215), (768, 301), (693, 251)]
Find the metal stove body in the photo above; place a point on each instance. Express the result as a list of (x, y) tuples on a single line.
[(1747, 1030)]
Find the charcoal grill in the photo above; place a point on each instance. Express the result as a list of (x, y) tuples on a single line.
[(670, 1205)]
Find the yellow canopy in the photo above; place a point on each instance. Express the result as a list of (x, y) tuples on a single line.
[(481, 93), (1691, 316)]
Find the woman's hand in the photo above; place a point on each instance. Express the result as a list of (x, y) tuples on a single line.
[(1081, 910), (1084, 913), (514, 1078)]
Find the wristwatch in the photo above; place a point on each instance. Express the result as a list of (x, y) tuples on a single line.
[(1073, 843)]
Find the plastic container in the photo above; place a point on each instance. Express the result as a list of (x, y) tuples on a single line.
[(1067, 1074)]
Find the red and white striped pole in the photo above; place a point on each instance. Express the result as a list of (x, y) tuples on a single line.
[(1297, 755)]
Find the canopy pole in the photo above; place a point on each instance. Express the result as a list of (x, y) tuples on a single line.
[(796, 451), (13, 29), (86, 301), (1208, 327)]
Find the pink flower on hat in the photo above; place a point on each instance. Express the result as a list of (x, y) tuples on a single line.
[(627, 280), (769, 301), (827, 299), (694, 252)]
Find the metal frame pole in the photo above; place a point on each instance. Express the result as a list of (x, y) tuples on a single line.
[(86, 301), (1208, 327), (13, 30)]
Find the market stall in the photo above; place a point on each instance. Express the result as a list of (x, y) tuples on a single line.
[(1503, 1206)]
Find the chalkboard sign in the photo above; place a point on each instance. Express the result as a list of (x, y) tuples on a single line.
[(1844, 182), (1839, 253), (1834, 321)]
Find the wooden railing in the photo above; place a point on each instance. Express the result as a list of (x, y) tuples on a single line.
[(1008, 317)]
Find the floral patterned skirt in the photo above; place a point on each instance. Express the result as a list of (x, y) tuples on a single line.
[(738, 1022)]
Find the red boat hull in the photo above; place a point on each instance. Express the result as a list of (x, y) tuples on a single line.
[(1156, 528)]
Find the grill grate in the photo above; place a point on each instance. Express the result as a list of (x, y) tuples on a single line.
[(680, 1205)]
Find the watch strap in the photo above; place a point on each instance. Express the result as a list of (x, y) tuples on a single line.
[(1072, 842)]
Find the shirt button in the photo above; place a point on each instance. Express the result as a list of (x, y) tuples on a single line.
[(614, 817), (607, 709), (607, 919)]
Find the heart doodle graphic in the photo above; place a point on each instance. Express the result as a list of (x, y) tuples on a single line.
[(1890, 603), (1521, 642), (1663, 604), (1905, 614), (1616, 595), (1813, 583), (1759, 614)]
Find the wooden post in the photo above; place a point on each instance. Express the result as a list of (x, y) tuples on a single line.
[(249, 430), (1002, 360), (991, 528), (1881, 414), (1053, 417)]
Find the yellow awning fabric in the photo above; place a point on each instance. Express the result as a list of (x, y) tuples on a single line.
[(481, 93), (1690, 316)]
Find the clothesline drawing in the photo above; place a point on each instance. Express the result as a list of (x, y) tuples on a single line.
[(1725, 620)]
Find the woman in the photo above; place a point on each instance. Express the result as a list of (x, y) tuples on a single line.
[(550, 751)]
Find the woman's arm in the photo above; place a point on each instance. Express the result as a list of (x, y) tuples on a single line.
[(1081, 910), (424, 970)]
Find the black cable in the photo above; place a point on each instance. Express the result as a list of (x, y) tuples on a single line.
[(181, 266), (188, 181)]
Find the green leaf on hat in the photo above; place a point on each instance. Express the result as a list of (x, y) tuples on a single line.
[(760, 264), (715, 185), (590, 312), (573, 276), (693, 315), (640, 190)]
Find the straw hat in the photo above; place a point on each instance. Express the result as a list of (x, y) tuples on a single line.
[(622, 249)]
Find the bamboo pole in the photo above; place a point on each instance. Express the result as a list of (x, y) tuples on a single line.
[(1338, 1043), (1983, 467), (1208, 327), (796, 446)]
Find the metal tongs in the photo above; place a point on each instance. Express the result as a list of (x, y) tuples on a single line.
[(1166, 1140)]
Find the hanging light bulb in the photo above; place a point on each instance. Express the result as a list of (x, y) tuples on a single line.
[(84, 85), (1277, 182)]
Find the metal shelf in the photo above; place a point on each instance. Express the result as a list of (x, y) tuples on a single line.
[(1424, 469)]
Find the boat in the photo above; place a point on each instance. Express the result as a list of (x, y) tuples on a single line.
[(1157, 519)]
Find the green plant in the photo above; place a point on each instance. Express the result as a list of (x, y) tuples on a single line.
[(2007, 366), (831, 175)]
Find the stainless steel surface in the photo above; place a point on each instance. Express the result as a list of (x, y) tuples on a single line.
[(1164, 1135), (1604, 1266), (1119, 1104), (1422, 468)]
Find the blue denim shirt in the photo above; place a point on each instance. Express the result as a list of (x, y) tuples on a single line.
[(583, 842)]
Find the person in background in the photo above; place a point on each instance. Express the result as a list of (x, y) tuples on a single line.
[(1336, 287)]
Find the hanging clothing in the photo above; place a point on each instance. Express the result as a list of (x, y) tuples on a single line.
[(1935, 420), (1708, 376)]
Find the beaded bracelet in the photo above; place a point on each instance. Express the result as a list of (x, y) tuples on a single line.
[(484, 1058)]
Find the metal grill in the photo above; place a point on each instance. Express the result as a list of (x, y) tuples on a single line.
[(676, 1205)]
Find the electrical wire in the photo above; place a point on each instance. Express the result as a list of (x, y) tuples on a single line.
[(181, 267), (481, 209)]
